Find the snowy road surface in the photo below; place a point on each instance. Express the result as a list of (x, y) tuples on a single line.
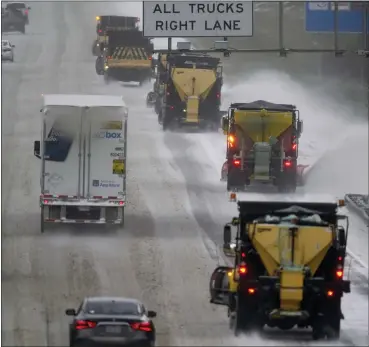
[(176, 209)]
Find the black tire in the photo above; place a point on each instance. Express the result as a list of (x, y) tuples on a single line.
[(123, 219), (42, 220)]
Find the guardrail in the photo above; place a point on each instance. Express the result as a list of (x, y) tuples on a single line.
[(358, 203)]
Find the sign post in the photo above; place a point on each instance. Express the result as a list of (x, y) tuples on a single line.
[(197, 18)]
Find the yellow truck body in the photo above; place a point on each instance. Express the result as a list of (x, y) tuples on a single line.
[(193, 85)]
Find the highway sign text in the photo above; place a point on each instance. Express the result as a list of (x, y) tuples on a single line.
[(197, 19)]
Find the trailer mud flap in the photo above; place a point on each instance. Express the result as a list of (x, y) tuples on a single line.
[(219, 285)]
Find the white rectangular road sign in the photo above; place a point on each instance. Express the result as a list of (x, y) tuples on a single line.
[(197, 18)]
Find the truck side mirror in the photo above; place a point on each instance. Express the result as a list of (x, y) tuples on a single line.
[(225, 124), (300, 127), (227, 236), (36, 149)]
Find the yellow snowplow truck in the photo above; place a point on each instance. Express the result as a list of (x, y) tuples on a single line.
[(192, 95), (262, 145), (127, 57), (111, 23), (289, 260)]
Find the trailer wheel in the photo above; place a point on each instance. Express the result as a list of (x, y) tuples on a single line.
[(42, 220), (122, 223)]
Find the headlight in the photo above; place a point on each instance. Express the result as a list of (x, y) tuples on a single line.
[(106, 67)]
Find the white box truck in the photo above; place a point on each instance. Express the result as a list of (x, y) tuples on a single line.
[(83, 152)]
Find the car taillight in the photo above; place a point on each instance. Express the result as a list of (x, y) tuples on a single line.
[(142, 326), (251, 291), (294, 146), (236, 162), (84, 324), (287, 163), (100, 31)]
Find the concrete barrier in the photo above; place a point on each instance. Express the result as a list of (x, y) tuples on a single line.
[(358, 203)]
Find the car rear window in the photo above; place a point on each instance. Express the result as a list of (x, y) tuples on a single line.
[(112, 308)]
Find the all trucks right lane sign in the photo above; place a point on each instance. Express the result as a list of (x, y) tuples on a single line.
[(197, 18)]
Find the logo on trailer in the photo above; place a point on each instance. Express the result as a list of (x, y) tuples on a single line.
[(107, 135), (58, 143), (105, 184)]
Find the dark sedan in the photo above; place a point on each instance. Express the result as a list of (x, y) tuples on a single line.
[(111, 321)]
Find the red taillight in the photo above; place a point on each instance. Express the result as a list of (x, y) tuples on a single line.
[(218, 95), (242, 269), (85, 324), (142, 326), (236, 162), (339, 272), (294, 146), (243, 255), (251, 291), (100, 31), (287, 163), (171, 107), (330, 293)]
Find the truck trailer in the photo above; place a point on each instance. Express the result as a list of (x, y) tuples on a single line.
[(82, 152), (288, 271)]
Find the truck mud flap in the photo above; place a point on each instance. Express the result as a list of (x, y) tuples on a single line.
[(151, 99), (300, 174), (219, 285), (224, 172)]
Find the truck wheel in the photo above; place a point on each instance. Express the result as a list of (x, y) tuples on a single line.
[(123, 220), (42, 220)]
